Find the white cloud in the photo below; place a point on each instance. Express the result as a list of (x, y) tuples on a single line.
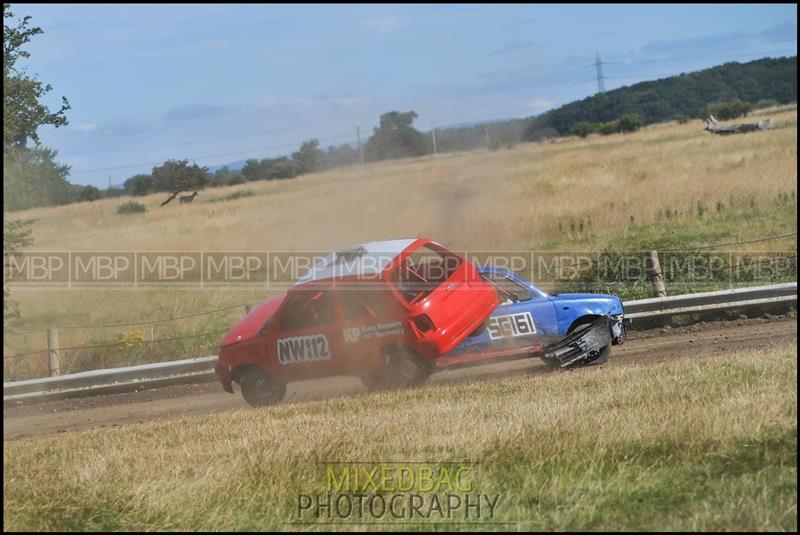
[(540, 105), (514, 46), (268, 103), (386, 24), (86, 127), (304, 103)]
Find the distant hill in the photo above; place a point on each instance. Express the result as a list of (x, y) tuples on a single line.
[(675, 97)]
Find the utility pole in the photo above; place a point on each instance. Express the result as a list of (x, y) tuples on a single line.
[(360, 150), (486, 135), (601, 88), (109, 181), (433, 131)]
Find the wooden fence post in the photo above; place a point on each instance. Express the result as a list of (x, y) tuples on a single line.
[(654, 274), (53, 360)]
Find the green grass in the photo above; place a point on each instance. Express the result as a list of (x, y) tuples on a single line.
[(687, 445), (683, 226), (235, 195), (131, 207)]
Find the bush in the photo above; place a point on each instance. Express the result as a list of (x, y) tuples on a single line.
[(89, 193), (582, 129), (611, 127), (725, 110), (139, 185), (235, 195), (766, 103), (630, 122), (283, 168), (131, 207)]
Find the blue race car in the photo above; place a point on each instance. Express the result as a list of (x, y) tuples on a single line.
[(564, 330)]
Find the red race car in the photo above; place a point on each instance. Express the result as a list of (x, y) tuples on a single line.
[(381, 310)]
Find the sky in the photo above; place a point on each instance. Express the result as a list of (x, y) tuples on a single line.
[(216, 83)]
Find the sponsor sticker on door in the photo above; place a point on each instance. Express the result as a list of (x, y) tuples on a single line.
[(368, 332)]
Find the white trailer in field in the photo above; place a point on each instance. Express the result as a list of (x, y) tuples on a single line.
[(715, 127)]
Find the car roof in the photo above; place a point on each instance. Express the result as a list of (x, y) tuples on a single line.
[(363, 260)]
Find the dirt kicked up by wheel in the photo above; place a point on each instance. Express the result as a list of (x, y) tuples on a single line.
[(404, 369), (260, 390)]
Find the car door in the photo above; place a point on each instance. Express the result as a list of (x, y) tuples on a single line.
[(304, 341), (445, 292), (371, 320)]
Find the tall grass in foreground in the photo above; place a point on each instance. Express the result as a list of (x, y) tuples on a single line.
[(706, 444)]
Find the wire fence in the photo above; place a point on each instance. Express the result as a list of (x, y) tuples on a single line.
[(134, 323), (721, 245), (117, 344)]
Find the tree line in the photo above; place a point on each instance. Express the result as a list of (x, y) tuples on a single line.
[(675, 98), (394, 137)]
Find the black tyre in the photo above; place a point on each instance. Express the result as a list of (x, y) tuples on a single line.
[(599, 356), (259, 390), (403, 369)]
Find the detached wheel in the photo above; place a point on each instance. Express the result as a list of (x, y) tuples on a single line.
[(259, 390), (403, 369), (599, 356)]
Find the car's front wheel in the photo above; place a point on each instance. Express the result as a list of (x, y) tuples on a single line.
[(258, 389), (597, 357)]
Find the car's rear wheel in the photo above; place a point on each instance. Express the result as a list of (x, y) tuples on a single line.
[(258, 389), (403, 369)]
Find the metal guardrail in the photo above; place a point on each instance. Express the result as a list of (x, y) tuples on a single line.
[(717, 300), (198, 370), (133, 375)]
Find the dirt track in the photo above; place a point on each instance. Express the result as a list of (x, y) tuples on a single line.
[(703, 340)]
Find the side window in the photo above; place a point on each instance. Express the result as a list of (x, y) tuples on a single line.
[(508, 289), (353, 306), (307, 309), (423, 271)]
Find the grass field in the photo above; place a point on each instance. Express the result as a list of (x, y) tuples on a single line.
[(526, 197), (666, 186), (692, 444)]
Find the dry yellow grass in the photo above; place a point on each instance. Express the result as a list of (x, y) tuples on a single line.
[(499, 200), (698, 444)]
